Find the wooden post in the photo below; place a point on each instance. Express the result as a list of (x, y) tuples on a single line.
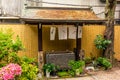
[(39, 37), (40, 52), (78, 44)]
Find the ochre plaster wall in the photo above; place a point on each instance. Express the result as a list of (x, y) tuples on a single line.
[(56, 45), (29, 37), (117, 42), (89, 34)]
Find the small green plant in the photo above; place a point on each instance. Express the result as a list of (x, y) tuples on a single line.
[(28, 60), (77, 66), (29, 69), (63, 74), (49, 67), (88, 60), (101, 43), (71, 72), (103, 62)]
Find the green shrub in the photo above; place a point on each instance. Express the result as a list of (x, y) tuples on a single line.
[(29, 71), (9, 47), (28, 60), (103, 62), (75, 65), (63, 74), (101, 43), (8, 54), (88, 60), (71, 72)]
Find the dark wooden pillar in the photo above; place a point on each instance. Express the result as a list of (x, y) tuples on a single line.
[(39, 37), (78, 44), (40, 48)]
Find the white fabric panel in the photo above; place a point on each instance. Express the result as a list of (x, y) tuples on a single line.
[(62, 32), (72, 32), (52, 33), (79, 32)]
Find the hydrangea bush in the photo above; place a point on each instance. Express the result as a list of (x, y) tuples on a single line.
[(10, 71), (9, 60)]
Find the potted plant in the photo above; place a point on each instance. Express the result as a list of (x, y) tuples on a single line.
[(77, 66), (49, 67), (55, 70)]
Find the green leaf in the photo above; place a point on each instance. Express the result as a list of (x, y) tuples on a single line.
[(100, 42)]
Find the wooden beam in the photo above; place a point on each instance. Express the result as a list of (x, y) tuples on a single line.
[(57, 8), (8, 18)]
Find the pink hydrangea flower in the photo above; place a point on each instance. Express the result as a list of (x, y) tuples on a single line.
[(10, 71)]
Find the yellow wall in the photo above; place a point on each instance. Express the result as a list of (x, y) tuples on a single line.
[(29, 36), (56, 45), (88, 36), (117, 42)]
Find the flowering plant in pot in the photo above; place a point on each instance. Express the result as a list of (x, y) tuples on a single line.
[(10, 71), (49, 67)]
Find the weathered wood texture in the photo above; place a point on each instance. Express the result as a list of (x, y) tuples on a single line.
[(34, 3), (97, 6), (11, 7), (62, 14), (16, 7)]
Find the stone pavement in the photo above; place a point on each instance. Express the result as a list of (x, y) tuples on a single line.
[(113, 74)]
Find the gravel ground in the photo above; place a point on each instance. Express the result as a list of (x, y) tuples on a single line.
[(113, 74)]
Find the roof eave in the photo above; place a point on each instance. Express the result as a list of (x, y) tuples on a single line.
[(60, 21), (59, 8)]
